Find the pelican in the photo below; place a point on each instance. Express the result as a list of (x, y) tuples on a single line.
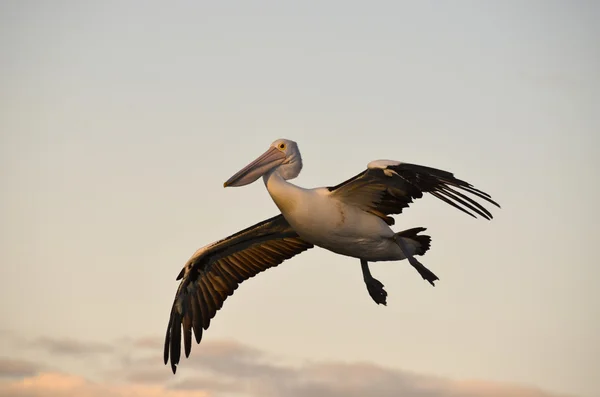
[(351, 219)]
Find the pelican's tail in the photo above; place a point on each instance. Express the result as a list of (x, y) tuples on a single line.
[(419, 243)]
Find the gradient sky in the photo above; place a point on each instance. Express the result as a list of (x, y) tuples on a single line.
[(120, 121)]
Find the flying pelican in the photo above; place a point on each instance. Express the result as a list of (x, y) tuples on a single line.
[(350, 219)]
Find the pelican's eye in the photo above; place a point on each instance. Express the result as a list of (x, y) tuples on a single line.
[(282, 146)]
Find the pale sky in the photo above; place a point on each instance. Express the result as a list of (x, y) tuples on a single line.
[(120, 121)]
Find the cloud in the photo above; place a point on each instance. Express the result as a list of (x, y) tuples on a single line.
[(147, 376), (220, 368), (62, 385), (332, 382), (212, 384), (72, 347), (227, 366), (486, 388), (233, 359), (149, 342), (14, 368)]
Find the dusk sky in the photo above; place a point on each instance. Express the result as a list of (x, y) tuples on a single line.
[(120, 121)]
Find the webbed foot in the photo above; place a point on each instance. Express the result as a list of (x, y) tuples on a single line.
[(376, 290), (427, 274), (374, 286)]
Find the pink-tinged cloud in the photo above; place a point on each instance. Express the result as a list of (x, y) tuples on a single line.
[(62, 385), (135, 368), (373, 384), (17, 368)]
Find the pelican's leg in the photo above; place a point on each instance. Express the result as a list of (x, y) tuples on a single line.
[(374, 286), (423, 271)]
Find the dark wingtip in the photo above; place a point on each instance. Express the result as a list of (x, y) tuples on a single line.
[(166, 352), (187, 345), (175, 340), (198, 334), (167, 341)]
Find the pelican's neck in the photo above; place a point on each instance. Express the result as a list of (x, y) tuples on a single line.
[(284, 194)]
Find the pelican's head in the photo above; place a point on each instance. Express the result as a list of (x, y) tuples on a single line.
[(282, 156)]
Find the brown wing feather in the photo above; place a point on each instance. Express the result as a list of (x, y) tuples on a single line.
[(386, 191), (213, 273)]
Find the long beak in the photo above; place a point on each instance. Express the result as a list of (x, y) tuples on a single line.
[(266, 162)]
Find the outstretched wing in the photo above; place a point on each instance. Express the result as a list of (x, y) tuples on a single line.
[(215, 271), (386, 187)]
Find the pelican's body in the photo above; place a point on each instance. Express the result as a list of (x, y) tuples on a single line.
[(351, 219), (324, 220)]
